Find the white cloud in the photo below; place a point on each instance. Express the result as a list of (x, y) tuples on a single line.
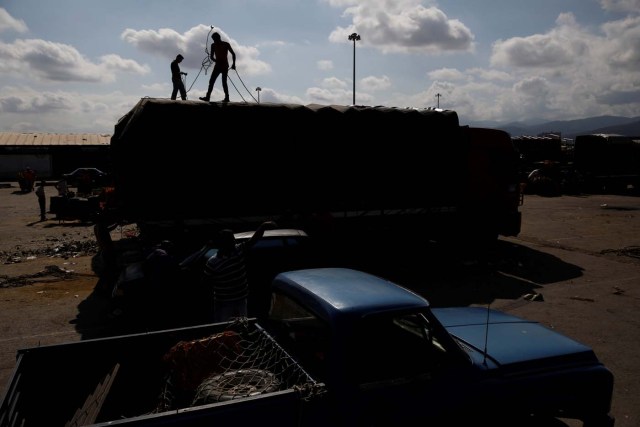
[(621, 5), (373, 83), (325, 64), (623, 43), (490, 75), (269, 95), (168, 43), (329, 96), (559, 47), (49, 61), (9, 23), (57, 111), (446, 74), (117, 63), (403, 26), (333, 83)]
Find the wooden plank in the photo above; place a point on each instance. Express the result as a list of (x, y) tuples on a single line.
[(88, 413), (13, 396)]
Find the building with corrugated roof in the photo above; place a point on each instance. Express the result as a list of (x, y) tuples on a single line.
[(51, 154)]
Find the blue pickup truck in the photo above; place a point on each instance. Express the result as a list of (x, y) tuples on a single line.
[(338, 347)]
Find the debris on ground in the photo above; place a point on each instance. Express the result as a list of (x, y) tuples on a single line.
[(65, 250), (630, 251)]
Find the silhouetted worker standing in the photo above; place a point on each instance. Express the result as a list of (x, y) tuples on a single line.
[(42, 200), (226, 272), (219, 52), (176, 78)]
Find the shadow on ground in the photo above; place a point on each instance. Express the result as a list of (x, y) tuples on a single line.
[(446, 276), (452, 276)]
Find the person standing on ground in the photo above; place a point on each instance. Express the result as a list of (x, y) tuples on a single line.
[(42, 200), (226, 272), (219, 53), (176, 79), (29, 178), (62, 187)]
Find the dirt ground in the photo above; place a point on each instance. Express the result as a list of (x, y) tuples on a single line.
[(575, 267)]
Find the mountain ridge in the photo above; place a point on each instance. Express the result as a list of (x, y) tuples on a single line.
[(629, 126)]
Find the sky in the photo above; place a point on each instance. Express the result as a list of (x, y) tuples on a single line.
[(78, 66)]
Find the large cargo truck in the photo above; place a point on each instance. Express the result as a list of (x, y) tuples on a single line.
[(322, 168), (607, 162), (594, 163)]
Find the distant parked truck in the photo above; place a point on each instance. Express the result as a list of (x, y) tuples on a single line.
[(542, 159), (595, 163), (607, 162)]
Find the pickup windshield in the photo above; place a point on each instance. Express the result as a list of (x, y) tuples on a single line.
[(394, 346), (379, 348), (300, 332)]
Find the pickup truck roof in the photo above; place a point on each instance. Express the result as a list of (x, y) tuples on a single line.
[(270, 239), (365, 294), (273, 233)]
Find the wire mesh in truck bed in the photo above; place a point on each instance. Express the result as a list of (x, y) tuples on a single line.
[(242, 361)]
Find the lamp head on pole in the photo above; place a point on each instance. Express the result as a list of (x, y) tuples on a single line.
[(354, 36)]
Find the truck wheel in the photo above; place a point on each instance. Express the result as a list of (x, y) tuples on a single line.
[(235, 385)]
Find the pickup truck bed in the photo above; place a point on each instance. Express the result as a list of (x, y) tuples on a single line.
[(139, 379)]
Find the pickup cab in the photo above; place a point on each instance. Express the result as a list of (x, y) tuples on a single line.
[(338, 347)]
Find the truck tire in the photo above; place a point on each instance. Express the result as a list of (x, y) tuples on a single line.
[(235, 385)]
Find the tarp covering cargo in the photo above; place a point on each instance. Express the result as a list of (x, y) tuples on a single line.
[(190, 159)]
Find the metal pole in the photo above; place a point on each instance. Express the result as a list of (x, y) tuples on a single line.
[(355, 37), (354, 71)]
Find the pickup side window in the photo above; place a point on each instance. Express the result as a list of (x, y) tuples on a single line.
[(392, 348), (301, 333)]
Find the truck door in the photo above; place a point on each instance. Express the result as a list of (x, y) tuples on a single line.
[(402, 371)]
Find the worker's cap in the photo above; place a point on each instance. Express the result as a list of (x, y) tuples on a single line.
[(180, 56)]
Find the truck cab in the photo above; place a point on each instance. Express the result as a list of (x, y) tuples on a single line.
[(384, 354)]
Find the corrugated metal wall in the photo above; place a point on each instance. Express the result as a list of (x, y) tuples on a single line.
[(51, 155)]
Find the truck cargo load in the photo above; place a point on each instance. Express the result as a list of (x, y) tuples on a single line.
[(235, 164)]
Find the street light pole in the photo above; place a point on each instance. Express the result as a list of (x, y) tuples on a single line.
[(258, 89), (438, 96), (355, 37)]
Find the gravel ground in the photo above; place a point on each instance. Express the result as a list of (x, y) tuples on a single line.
[(575, 267)]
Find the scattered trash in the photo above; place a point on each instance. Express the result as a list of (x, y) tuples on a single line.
[(583, 299), (533, 297), (66, 250), (630, 251), (43, 275)]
